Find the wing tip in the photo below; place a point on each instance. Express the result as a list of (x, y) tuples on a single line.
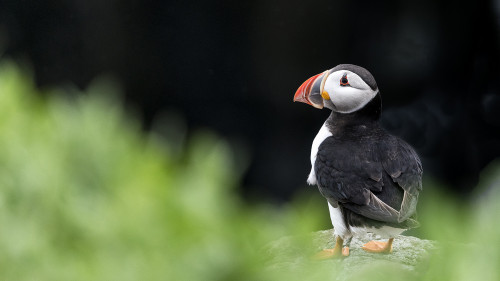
[(408, 206)]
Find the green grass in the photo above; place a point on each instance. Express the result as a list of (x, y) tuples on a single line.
[(86, 195)]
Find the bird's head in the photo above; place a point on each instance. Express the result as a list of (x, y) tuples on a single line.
[(345, 88)]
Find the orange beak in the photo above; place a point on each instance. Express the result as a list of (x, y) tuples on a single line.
[(310, 91)]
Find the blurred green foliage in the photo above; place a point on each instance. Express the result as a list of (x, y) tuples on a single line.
[(86, 195)]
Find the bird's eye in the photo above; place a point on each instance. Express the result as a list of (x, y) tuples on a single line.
[(344, 81)]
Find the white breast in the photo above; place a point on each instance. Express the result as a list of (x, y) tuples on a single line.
[(320, 137)]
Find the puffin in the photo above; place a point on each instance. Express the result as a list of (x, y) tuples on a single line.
[(370, 178)]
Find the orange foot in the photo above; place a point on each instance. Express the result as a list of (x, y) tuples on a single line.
[(379, 247), (336, 252), (332, 253)]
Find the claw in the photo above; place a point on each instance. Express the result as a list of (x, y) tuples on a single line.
[(345, 251)]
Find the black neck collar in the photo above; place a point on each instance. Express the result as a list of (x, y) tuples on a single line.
[(369, 113)]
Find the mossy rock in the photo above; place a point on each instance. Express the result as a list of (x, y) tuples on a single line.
[(409, 257)]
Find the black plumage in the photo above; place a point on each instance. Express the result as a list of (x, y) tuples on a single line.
[(374, 177)]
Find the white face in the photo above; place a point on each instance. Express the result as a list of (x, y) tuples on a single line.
[(347, 98)]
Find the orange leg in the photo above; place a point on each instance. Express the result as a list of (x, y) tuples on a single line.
[(336, 252), (379, 247)]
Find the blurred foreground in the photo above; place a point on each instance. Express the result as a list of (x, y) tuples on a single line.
[(86, 195)]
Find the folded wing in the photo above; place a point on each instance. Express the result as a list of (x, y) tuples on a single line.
[(350, 175)]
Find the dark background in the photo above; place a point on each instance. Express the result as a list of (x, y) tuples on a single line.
[(233, 66)]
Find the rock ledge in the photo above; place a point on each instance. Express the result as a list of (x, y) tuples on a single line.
[(294, 254)]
